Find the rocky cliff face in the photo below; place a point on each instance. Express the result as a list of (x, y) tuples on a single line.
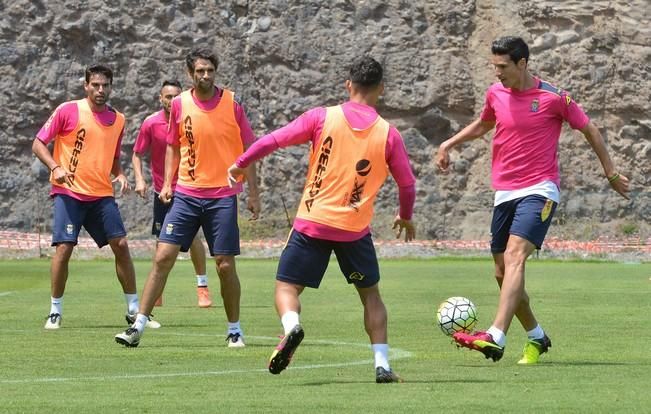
[(285, 56)]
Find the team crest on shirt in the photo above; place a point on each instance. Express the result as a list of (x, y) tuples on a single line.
[(568, 100), (356, 276), (169, 228), (70, 228), (546, 210), (535, 104)]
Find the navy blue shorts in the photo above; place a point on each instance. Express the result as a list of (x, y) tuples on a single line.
[(217, 217), (527, 217), (160, 211), (101, 219), (304, 260)]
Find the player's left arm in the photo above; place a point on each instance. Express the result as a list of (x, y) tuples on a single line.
[(250, 174), (617, 180), (116, 169), (398, 162)]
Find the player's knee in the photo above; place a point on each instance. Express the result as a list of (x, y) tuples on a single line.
[(514, 256), (164, 259), (370, 296), (120, 246), (64, 251), (225, 266)]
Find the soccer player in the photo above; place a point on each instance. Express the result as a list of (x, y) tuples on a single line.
[(87, 134), (353, 150), (527, 114), (152, 139), (208, 130)]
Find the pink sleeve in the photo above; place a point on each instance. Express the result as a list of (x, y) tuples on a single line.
[(143, 140), (306, 127), (572, 112), (398, 162), (247, 135), (118, 148), (259, 149), (62, 121), (407, 198), (173, 127), (488, 112)]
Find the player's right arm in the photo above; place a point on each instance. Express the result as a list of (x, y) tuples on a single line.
[(172, 161), (141, 184), (475, 130), (59, 173), (299, 131), (172, 152), (62, 121), (140, 147)]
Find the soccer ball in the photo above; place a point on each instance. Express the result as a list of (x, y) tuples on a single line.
[(456, 314)]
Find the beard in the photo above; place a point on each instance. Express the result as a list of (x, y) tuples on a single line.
[(99, 100), (204, 86)]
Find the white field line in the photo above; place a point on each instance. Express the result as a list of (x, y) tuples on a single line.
[(395, 354), (6, 293)]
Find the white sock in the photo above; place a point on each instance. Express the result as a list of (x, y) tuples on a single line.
[(498, 336), (141, 321), (234, 327), (202, 280), (536, 333), (56, 305), (132, 303), (381, 352), (289, 320)]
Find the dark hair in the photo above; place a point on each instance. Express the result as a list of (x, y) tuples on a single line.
[(173, 82), (206, 54), (104, 70), (366, 72), (513, 46)]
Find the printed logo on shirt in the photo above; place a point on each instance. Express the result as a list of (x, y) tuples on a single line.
[(76, 152), (70, 228), (568, 100), (192, 155), (169, 229), (317, 179), (546, 210), (535, 105), (356, 276), (363, 168)]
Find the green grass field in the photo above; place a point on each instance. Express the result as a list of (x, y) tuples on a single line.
[(596, 313)]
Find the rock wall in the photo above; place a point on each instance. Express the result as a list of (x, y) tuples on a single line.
[(285, 56)]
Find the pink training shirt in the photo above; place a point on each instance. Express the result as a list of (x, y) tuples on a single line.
[(308, 127), (527, 129), (152, 138), (63, 121), (246, 134)]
